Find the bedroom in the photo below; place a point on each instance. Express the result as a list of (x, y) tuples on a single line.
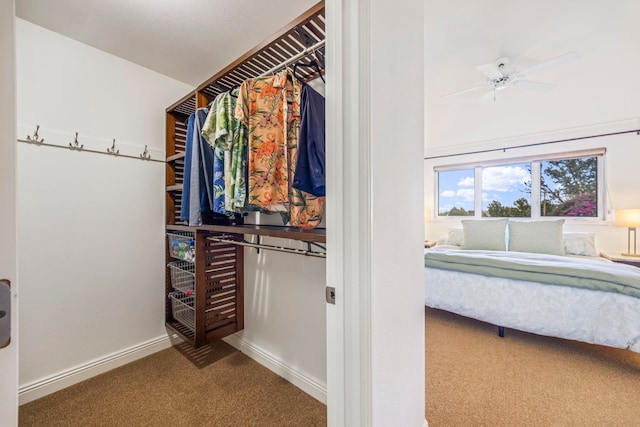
[(620, 110)]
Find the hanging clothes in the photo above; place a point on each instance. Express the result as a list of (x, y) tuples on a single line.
[(227, 135), (186, 185), (207, 160), (260, 108), (269, 107), (310, 172), (305, 210)]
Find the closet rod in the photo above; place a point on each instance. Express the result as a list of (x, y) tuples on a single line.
[(268, 247), (88, 150), (294, 58), (535, 144)]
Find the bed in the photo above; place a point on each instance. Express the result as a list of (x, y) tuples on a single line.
[(538, 293)]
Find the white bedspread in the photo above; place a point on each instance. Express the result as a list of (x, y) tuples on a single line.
[(579, 314)]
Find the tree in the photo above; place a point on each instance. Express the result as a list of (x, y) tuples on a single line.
[(572, 177), (458, 212), (522, 208)]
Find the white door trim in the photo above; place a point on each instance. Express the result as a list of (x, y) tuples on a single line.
[(8, 267), (348, 220)]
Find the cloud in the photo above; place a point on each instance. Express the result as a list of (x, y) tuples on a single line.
[(504, 178), (466, 182), (462, 194)]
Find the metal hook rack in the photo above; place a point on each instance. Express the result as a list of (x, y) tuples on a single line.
[(145, 154), (113, 150), (35, 138), (75, 145)]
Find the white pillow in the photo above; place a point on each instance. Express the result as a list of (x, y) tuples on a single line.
[(541, 237), (488, 234), (455, 237), (580, 244)]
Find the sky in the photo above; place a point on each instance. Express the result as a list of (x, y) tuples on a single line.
[(502, 183)]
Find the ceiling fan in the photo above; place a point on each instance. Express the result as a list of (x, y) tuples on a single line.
[(501, 75)]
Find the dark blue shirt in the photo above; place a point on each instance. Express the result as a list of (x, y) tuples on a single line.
[(309, 173)]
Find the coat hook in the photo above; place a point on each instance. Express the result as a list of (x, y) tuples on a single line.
[(145, 154), (113, 150), (75, 145), (35, 138)]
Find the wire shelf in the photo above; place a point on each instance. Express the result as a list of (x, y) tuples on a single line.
[(182, 245), (182, 275), (183, 308)]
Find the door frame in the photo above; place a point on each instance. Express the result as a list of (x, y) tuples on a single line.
[(8, 257)]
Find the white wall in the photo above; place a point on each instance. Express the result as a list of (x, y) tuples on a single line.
[(91, 226), (620, 165), (374, 142), (8, 355), (594, 95), (284, 323)]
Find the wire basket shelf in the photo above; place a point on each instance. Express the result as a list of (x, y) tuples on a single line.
[(183, 308), (182, 275), (182, 245)]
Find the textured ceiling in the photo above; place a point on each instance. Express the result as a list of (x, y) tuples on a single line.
[(189, 40)]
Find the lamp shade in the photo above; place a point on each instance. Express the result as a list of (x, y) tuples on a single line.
[(628, 217)]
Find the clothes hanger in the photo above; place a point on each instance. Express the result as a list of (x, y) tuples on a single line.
[(312, 64)]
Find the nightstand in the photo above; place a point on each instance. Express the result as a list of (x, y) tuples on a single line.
[(429, 243), (635, 261)]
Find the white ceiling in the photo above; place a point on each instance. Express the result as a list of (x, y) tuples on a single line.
[(189, 40)]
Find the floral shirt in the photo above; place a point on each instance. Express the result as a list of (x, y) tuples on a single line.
[(270, 109), (218, 186), (228, 136)]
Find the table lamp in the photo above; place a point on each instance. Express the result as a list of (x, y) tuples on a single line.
[(629, 218)]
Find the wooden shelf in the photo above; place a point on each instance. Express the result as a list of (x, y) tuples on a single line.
[(175, 157), (316, 235), (176, 187)]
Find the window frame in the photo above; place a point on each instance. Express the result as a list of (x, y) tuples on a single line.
[(535, 162)]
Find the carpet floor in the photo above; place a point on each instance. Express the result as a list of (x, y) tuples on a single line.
[(473, 378), (215, 385)]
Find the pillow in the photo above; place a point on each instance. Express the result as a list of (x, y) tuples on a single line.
[(484, 234), (541, 237), (580, 244), (455, 237)]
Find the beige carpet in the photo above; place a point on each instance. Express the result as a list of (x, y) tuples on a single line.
[(212, 386), (475, 378)]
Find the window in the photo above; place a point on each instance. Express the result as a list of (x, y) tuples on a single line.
[(568, 185), (457, 193), (506, 190)]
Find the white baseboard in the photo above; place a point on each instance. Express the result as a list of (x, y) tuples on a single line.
[(309, 385), (53, 383)]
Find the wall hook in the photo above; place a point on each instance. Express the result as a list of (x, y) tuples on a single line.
[(75, 145), (113, 150), (145, 154), (35, 138)]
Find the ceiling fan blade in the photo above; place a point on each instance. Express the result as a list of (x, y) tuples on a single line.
[(471, 89), (490, 71), (571, 56), (536, 86), (491, 94)]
